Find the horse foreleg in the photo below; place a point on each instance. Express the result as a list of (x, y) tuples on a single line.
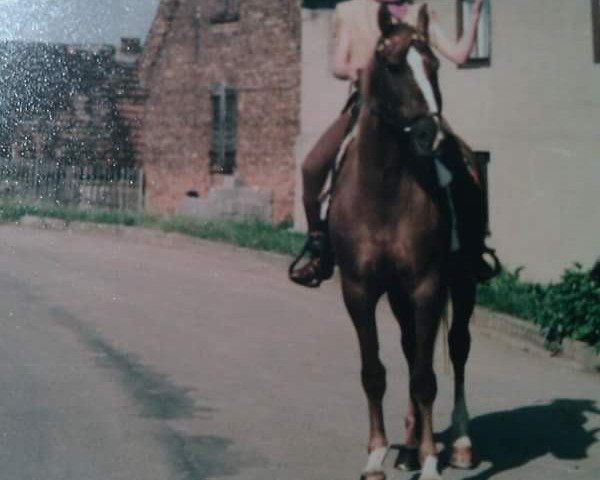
[(408, 457), (424, 390), (361, 303), (463, 301), (428, 304), (410, 426)]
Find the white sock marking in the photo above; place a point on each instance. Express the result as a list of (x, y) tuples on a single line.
[(429, 471), (375, 460), (463, 442)]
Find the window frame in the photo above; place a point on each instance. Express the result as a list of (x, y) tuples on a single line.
[(480, 62), (228, 13), (596, 29), (224, 129), (320, 4)]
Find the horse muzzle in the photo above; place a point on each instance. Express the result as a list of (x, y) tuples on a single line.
[(426, 135)]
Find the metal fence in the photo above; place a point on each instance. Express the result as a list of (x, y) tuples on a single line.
[(115, 188)]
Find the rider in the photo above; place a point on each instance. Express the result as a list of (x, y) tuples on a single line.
[(357, 33)]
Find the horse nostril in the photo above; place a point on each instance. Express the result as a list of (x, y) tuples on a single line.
[(427, 135)]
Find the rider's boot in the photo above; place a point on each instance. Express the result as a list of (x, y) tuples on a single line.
[(472, 229), (484, 263), (319, 262)]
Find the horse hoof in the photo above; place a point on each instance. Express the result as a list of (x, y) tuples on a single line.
[(408, 459), (462, 458), (373, 476)]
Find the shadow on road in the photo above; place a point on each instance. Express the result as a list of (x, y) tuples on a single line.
[(157, 397), (206, 456), (512, 438)]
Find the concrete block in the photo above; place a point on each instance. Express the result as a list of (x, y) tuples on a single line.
[(231, 201)]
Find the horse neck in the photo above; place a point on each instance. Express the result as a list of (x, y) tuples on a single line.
[(383, 158)]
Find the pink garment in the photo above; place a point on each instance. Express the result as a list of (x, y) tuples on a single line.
[(398, 8)]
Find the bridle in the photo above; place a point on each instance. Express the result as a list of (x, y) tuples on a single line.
[(404, 126)]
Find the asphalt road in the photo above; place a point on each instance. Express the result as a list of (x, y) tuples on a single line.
[(163, 358)]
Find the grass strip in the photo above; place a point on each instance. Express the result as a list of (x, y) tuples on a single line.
[(252, 234)]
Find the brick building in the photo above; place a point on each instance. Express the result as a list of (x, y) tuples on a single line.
[(223, 82)]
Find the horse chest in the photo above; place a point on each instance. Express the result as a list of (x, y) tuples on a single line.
[(371, 250)]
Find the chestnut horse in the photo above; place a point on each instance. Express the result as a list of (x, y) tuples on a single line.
[(391, 224)]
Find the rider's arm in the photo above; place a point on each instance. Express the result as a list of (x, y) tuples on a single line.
[(342, 61), (456, 51)]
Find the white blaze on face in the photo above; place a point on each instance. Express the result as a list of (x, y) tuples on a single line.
[(415, 61)]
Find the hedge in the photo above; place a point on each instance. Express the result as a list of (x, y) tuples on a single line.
[(569, 308)]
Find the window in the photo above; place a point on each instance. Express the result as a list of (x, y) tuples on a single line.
[(482, 160), (229, 11), (596, 29), (481, 54), (320, 4), (224, 129)]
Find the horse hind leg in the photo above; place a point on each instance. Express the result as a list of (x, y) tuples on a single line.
[(360, 303), (463, 301)]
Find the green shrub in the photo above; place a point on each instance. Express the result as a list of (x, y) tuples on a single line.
[(507, 293), (571, 308)]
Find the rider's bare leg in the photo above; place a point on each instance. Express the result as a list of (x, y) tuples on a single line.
[(317, 165), (315, 169)]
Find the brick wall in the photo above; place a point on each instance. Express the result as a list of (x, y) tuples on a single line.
[(185, 54)]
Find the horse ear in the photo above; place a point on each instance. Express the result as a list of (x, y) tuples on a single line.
[(423, 21), (386, 22)]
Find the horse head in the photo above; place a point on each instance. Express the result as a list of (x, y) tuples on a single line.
[(403, 89)]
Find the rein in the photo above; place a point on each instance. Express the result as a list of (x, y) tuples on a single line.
[(405, 126)]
